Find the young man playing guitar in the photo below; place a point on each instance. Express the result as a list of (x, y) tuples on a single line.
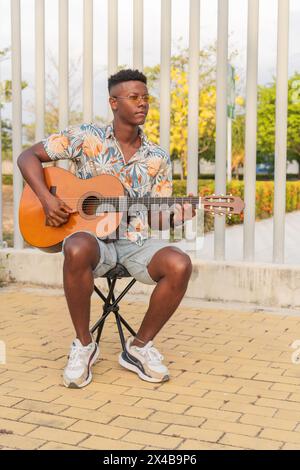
[(119, 149)]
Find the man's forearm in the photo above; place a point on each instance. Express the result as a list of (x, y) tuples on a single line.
[(32, 171)]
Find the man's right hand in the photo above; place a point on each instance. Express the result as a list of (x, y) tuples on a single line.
[(56, 211)]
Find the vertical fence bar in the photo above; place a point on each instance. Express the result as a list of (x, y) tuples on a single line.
[(251, 125), (193, 114), (63, 63), (39, 69), (112, 56), (16, 114), (88, 61), (165, 71), (221, 122), (1, 194), (193, 106), (138, 34), (63, 71), (281, 131)]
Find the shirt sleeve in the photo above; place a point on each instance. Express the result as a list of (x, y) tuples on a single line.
[(66, 144), (162, 183)]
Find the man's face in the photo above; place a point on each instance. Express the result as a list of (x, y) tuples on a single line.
[(130, 111)]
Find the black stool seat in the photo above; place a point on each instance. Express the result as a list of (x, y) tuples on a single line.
[(111, 304), (118, 272)]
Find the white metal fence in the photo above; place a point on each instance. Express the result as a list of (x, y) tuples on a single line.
[(221, 114)]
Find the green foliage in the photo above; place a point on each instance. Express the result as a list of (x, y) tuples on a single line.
[(6, 139), (267, 119), (179, 105)]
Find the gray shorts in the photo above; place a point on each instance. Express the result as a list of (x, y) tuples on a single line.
[(135, 258)]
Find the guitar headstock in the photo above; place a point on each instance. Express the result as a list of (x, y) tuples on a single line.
[(223, 204)]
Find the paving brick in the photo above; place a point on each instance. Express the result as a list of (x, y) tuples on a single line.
[(253, 443), (251, 409), (172, 418), (44, 419), (99, 443), (57, 435), (40, 407), (280, 404), (201, 401), (164, 442), (189, 433), (15, 427), (11, 413), (85, 414), (280, 435), (191, 444), (45, 396), (235, 428), (215, 414), (125, 410), (139, 424), (80, 402), (59, 446), (98, 429), (20, 442), (264, 421), (162, 406)]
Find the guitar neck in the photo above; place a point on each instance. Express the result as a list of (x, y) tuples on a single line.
[(123, 203)]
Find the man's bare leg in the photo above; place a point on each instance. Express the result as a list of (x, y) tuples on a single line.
[(172, 268), (82, 255)]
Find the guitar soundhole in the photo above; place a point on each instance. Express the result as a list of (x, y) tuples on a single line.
[(89, 205)]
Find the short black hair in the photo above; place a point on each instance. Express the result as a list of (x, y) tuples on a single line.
[(126, 76)]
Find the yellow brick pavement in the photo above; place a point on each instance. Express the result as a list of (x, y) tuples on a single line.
[(233, 383)]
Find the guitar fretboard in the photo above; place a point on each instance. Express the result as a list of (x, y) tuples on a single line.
[(123, 203)]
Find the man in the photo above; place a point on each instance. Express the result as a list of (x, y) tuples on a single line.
[(120, 149)]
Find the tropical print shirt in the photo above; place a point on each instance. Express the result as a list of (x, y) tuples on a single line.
[(94, 150)]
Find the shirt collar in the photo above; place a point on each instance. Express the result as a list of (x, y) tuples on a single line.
[(109, 133)]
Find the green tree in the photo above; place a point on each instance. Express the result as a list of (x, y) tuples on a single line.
[(267, 120), (179, 105)]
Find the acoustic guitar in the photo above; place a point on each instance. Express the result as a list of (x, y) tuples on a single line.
[(100, 203)]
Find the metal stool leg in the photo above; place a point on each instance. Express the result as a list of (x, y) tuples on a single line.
[(111, 305)]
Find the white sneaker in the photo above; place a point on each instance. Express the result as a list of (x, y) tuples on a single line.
[(145, 361), (77, 373)]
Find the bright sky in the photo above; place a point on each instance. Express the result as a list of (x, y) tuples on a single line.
[(180, 24)]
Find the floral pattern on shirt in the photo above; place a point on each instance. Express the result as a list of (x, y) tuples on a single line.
[(94, 150)]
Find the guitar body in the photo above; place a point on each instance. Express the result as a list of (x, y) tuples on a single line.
[(76, 193)]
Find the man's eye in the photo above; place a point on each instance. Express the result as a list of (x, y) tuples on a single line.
[(133, 97)]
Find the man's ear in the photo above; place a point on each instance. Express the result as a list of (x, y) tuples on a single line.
[(113, 103)]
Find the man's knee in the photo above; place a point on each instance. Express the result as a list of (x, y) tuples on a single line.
[(82, 248), (181, 265), (176, 264)]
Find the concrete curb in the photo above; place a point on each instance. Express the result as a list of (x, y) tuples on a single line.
[(257, 283)]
